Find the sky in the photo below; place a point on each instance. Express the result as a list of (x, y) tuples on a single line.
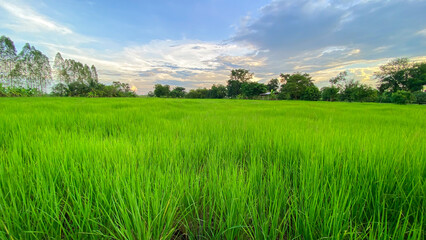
[(195, 43)]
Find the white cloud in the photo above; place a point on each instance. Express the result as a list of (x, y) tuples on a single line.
[(422, 32), (29, 20), (182, 54)]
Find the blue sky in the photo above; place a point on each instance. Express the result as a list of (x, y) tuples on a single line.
[(195, 43)]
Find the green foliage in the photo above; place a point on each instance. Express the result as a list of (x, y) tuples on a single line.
[(284, 96), (417, 77), (198, 93), (161, 90), (330, 93), (21, 92), (235, 83), (340, 79), (273, 85), (81, 89), (311, 93), (385, 97), (295, 86), (241, 75), (152, 168), (217, 91), (356, 92), (3, 92), (78, 89), (252, 89), (403, 97), (178, 92), (234, 88), (349, 90), (60, 90), (401, 74), (30, 69), (420, 97)]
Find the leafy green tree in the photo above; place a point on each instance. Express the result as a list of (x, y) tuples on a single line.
[(242, 75), (161, 90), (233, 88), (402, 97), (417, 77), (354, 91), (59, 68), (34, 68), (339, 80), (253, 89), (217, 91), (198, 93), (94, 74), (237, 78), (294, 85), (273, 85), (394, 75), (3, 92), (178, 92), (7, 60), (60, 90), (78, 89), (349, 90), (311, 93), (420, 97), (330, 93)]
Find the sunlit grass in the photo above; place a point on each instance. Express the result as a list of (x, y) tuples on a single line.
[(210, 169)]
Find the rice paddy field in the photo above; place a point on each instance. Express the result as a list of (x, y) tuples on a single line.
[(147, 168)]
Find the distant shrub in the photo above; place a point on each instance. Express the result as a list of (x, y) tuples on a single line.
[(60, 90), (385, 97), (311, 93), (420, 97), (2, 91), (283, 96), (19, 92), (402, 97), (330, 93)]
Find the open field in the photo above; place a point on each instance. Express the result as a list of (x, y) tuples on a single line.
[(80, 168)]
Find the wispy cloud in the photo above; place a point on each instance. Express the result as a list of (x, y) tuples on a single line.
[(26, 19), (422, 32)]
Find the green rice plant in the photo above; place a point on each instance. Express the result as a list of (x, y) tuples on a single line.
[(80, 168)]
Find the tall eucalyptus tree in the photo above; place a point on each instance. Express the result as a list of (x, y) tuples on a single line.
[(94, 73), (59, 68), (34, 68), (7, 60)]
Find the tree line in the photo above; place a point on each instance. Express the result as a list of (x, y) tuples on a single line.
[(399, 81), (28, 73)]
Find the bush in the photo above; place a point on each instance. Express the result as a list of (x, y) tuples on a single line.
[(178, 92), (2, 91), (80, 89), (420, 97), (22, 92), (330, 93), (402, 97), (253, 89), (60, 90), (311, 93), (385, 97), (283, 96), (161, 90)]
